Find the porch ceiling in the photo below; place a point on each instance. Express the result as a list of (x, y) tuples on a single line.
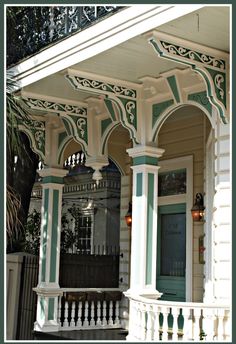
[(136, 58)]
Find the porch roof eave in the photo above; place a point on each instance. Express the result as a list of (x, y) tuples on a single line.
[(106, 34)]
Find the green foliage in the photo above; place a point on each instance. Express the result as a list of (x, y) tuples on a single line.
[(32, 233)]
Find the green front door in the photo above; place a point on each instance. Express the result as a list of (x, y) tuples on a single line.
[(171, 245)]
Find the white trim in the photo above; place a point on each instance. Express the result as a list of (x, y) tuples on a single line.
[(208, 230), (173, 164), (145, 151), (118, 28)]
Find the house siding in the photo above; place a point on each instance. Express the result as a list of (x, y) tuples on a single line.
[(182, 137)]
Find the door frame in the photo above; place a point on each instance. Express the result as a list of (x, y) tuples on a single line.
[(185, 162)]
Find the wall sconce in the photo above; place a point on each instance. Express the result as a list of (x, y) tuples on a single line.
[(128, 216), (198, 208)]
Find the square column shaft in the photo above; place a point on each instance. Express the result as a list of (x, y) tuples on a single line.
[(48, 288), (144, 219)]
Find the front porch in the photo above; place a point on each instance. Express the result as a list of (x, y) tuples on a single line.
[(157, 106)]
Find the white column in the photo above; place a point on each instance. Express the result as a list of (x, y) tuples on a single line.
[(144, 220), (48, 288)]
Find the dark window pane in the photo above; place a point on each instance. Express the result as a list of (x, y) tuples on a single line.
[(173, 239), (172, 183)]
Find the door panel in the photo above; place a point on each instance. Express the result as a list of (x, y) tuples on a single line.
[(171, 251)]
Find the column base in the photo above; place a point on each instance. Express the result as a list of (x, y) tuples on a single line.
[(148, 293), (47, 327)]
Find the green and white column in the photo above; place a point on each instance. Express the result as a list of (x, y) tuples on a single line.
[(144, 220), (48, 288)]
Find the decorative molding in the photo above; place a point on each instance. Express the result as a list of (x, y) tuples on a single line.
[(202, 99), (192, 55), (77, 127), (73, 117), (35, 130), (211, 67), (100, 86), (158, 109), (40, 104), (120, 101)]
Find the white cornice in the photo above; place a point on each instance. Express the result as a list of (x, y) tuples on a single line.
[(118, 28)]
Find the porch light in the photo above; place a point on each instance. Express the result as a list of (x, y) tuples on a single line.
[(198, 208), (128, 216)]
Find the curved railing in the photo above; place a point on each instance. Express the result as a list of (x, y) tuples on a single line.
[(164, 320)]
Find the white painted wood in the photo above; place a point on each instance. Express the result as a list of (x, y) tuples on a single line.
[(99, 322), (66, 322), (165, 311), (86, 322), (196, 324), (102, 36), (72, 322), (175, 311), (92, 321)]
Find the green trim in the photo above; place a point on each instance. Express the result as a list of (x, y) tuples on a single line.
[(171, 284), (158, 109), (51, 302), (172, 208), (42, 307), (52, 179), (130, 107), (61, 137), (44, 230), (174, 88), (105, 124), (54, 233), (67, 126), (202, 99), (110, 108), (150, 209), (221, 89), (147, 160), (139, 184)]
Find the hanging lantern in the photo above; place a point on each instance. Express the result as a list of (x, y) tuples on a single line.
[(198, 208), (128, 216)]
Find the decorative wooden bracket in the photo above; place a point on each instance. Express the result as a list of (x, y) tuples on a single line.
[(120, 100), (211, 64)]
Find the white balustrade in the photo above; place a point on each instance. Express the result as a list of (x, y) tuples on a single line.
[(184, 321), (88, 313)]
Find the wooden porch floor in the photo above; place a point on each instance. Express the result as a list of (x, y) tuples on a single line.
[(108, 334)]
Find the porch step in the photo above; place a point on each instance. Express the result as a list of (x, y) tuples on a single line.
[(108, 334)]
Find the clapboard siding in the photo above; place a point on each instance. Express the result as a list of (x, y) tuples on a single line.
[(180, 137)]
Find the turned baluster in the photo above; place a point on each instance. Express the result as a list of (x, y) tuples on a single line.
[(72, 322), (79, 321), (220, 329), (188, 324), (99, 322), (117, 313), (66, 322), (196, 325), (86, 322), (92, 321), (149, 333), (165, 311), (156, 311), (175, 313), (104, 313), (110, 320)]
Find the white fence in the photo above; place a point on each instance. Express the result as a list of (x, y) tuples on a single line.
[(172, 321)]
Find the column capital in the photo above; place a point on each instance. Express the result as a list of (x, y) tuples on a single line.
[(53, 175), (145, 154)]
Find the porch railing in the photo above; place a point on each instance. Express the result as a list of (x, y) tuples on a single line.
[(83, 309), (31, 28), (162, 320)]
